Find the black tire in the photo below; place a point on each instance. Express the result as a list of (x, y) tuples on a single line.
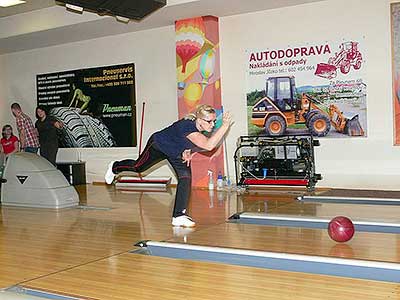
[(310, 114), (319, 125), (275, 126), (357, 65), (81, 131), (345, 68)]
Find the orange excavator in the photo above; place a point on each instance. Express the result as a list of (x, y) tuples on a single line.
[(281, 107)]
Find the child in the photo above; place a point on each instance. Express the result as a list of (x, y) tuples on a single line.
[(9, 142)]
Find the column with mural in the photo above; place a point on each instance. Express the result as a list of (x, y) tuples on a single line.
[(198, 82)]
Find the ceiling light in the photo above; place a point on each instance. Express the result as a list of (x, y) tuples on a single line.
[(74, 8), (6, 3), (122, 19)]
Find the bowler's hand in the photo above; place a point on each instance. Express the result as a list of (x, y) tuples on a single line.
[(187, 156), (227, 119)]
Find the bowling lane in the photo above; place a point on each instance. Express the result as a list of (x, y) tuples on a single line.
[(134, 276), (358, 193), (378, 213), (373, 246)]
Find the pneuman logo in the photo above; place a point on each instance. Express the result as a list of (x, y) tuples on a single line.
[(22, 178)]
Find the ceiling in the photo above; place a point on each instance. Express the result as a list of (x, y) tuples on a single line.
[(26, 7), (43, 23)]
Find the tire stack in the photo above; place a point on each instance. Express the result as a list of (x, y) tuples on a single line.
[(81, 131)]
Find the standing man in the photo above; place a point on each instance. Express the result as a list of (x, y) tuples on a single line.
[(28, 134)]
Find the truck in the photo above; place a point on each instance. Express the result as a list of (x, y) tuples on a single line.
[(282, 106)]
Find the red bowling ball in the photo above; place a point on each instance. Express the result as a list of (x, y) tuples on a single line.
[(341, 229)]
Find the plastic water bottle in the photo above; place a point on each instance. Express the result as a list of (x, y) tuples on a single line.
[(210, 180), (220, 182), (228, 184)]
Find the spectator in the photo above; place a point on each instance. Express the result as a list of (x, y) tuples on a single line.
[(9, 142), (47, 127), (28, 135)]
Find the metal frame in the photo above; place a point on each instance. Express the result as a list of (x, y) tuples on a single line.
[(304, 145)]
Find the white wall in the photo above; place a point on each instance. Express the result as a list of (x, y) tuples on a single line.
[(3, 102), (370, 162), (152, 52)]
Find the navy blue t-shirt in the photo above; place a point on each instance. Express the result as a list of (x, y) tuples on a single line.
[(173, 140)]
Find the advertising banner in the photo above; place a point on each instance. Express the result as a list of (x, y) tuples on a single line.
[(395, 12), (317, 88), (198, 82), (96, 105)]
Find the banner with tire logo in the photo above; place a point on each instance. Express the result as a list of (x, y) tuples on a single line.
[(96, 105)]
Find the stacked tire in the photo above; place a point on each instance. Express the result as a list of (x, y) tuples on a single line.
[(81, 131)]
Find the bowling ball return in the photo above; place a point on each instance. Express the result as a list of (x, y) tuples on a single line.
[(30, 180)]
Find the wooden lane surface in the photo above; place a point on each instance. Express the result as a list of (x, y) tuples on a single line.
[(83, 252), (37, 242), (387, 213), (384, 213), (134, 276), (364, 245), (359, 193), (290, 206)]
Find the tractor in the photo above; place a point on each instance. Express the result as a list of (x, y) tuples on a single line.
[(347, 57), (280, 108)]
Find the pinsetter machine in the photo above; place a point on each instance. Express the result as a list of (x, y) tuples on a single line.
[(284, 160)]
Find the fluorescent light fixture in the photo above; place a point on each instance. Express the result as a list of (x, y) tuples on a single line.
[(74, 8), (7, 3), (122, 19)]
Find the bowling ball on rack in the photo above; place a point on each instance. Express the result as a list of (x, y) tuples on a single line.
[(341, 229)]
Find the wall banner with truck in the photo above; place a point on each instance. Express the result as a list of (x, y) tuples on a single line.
[(97, 105), (318, 88), (395, 14)]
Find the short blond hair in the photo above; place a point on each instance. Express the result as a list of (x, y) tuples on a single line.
[(201, 112)]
